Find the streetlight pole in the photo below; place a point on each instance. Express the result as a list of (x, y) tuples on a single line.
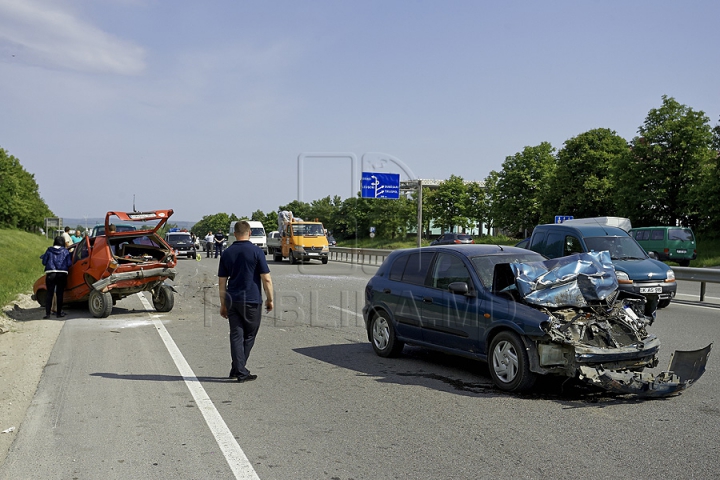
[(419, 213)]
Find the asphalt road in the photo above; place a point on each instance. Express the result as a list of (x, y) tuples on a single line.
[(146, 395)]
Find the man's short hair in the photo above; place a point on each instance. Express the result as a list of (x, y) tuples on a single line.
[(242, 228), (67, 229)]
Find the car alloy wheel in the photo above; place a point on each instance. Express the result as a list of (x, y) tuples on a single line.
[(509, 363), (384, 341)]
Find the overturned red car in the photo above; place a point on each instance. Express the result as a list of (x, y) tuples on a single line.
[(109, 267)]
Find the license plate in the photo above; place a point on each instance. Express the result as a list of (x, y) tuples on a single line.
[(313, 254), (682, 251), (650, 289)]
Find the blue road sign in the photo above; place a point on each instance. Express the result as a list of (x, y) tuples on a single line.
[(562, 218), (380, 185)]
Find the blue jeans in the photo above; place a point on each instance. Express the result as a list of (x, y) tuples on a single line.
[(218, 249)]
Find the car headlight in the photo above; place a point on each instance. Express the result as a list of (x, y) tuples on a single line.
[(623, 277), (670, 276), (325, 248)]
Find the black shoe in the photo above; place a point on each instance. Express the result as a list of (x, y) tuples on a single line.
[(248, 378), (46, 317), (61, 314), (233, 373)]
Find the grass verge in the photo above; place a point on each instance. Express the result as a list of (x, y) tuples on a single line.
[(20, 263)]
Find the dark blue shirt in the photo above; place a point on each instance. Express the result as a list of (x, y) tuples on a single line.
[(243, 262)]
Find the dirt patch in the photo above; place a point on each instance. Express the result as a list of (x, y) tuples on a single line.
[(25, 345)]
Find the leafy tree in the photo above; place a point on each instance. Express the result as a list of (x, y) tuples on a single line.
[(299, 209), (655, 181), (392, 218), (448, 204), (707, 194), (20, 203), (476, 209), (213, 223), (581, 184), (517, 194)]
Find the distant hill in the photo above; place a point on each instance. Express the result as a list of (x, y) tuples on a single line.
[(91, 222)]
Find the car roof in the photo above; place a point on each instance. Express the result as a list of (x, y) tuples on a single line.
[(474, 249), (593, 230)]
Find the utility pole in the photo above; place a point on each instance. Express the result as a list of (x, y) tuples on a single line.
[(419, 213)]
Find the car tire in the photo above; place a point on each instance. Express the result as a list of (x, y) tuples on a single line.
[(663, 303), (277, 257), (684, 263), (40, 296), (100, 304), (384, 340), (324, 260), (163, 299), (509, 364), (293, 259)]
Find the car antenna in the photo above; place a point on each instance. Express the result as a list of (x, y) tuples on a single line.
[(134, 203)]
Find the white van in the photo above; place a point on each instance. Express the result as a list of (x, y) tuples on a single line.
[(257, 235)]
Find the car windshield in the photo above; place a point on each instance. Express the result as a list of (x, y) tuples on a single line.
[(620, 248), (257, 232), (100, 229), (682, 234), (180, 237), (308, 230), (485, 264), (464, 237)]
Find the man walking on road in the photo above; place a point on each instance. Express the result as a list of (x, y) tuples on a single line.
[(241, 271)]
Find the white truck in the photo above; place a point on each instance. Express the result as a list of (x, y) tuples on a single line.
[(257, 235)]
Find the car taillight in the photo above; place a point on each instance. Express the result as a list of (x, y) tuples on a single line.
[(667, 250), (457, 241)]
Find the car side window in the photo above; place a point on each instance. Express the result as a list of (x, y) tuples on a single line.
[(572, 245), (397, 268), (448, 269), (554, 244), (537, 242), (416, 270), (658, 235), (81, 250)]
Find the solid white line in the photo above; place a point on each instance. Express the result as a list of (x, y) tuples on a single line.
[(234, 455), (695, 296), (346, 310)]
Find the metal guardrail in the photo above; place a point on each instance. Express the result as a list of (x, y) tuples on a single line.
[(361, 256), (372, 256), (702, 275)]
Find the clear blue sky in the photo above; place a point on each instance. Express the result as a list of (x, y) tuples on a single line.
[(204, 107)]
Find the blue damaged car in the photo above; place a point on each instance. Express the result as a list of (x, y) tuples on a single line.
[(524, 315)]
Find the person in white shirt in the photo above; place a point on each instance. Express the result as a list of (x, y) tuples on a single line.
[(209, 242)]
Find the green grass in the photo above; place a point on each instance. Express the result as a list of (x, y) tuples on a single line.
[(20, 263)]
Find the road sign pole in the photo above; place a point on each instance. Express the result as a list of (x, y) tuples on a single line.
[(419, 214)]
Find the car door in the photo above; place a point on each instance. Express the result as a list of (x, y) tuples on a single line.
[(450, 319), (77, 288), (405, 297)]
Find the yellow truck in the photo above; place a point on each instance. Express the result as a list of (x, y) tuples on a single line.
[(300, 240)]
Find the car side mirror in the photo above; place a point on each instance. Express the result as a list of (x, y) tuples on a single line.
[(652, 255), (460, 288)]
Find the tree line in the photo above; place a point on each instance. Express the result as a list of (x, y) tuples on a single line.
[(669, 174), (20, 203)]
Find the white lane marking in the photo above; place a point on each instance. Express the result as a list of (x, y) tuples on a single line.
[(346, 310), (693, 306), (234, 455)]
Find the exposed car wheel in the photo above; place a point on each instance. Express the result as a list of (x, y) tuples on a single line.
[(663, 303), (40, 296), (100, 304), (163, 299), (325, 260), (293, 260), (384, 341), (509, 363)]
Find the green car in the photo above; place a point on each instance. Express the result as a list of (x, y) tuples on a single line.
[(668, 243)]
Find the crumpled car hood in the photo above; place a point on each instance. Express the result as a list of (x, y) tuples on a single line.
[(570, 281), (579, 293)]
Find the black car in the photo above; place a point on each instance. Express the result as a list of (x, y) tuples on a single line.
[(452, 239), (182, 243), (523, 315)]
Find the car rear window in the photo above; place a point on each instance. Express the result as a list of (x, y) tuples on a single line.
[(464, 237), (417, 267), (682, 234)]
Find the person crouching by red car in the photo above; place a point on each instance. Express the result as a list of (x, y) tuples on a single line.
[(57, 261)]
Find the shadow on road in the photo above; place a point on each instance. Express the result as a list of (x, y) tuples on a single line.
[(462, 376)]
